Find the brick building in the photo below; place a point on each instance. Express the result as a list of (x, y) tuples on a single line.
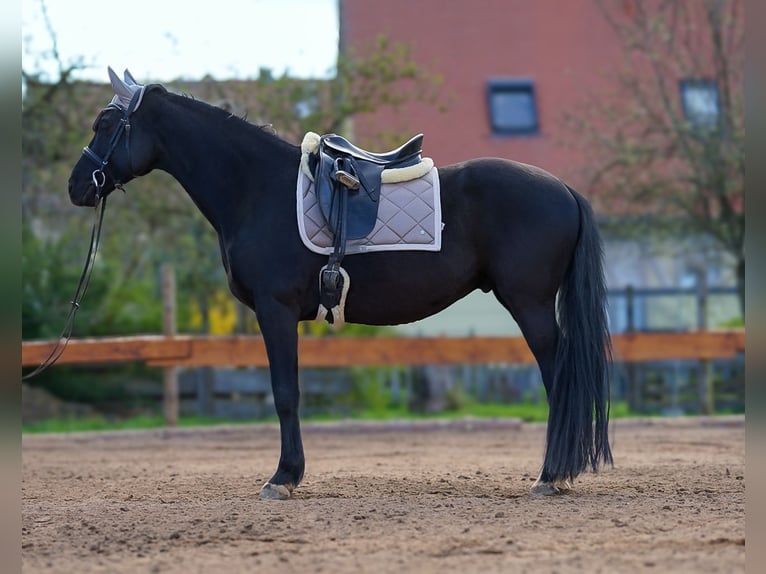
[(511, 68)]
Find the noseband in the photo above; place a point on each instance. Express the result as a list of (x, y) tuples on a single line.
[(99, 175)]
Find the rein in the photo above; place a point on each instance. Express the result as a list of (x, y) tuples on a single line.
[(99, 180), (82, 287)]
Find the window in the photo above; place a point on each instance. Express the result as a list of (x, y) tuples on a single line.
[(512, 107), (699, 100)]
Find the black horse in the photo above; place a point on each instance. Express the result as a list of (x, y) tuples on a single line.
[(509, 228)]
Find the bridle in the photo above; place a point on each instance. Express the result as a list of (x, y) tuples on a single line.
[(99, 174), (99, 180)]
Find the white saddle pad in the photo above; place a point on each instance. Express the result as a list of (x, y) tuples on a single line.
[(409, 218)]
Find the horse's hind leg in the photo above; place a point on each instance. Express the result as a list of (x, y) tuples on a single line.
[(536, 317)]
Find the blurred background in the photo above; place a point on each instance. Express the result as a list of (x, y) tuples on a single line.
[(637, 104)]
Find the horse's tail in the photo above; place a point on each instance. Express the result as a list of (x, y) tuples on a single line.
[(578, 416)]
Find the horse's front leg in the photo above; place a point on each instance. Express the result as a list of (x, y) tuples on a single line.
[(279, 325)]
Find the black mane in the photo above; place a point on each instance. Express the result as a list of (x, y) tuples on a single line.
[(238, 126)]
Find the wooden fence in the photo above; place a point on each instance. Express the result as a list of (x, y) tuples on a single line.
[(246, 350), (172, 351)]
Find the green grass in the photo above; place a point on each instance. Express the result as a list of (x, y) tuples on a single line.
[(100, 423), (528, 412)]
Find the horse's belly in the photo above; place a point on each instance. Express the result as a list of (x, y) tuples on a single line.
[(392, 289)]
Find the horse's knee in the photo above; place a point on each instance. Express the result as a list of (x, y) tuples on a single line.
[(286, 400)]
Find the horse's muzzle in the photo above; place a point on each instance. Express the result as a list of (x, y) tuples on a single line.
[(84, 198)]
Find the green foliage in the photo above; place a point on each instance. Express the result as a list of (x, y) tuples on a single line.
[(367, 391), (380, 75), (51, 269), (45, 269), (324, 329), (106, 388)]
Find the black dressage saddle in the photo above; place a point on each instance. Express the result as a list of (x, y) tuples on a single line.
[(347, 181)]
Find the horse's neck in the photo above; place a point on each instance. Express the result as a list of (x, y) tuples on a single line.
[(220, 175)]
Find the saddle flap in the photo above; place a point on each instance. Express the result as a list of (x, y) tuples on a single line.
[(358, 210)]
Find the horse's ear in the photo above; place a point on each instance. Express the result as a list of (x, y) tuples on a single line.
[(122, 91), (114, 78), (129, 79), (120, 88)]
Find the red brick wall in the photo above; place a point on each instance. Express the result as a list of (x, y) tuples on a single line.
[(564, 46)]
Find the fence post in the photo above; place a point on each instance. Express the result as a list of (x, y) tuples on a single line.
[(704, 368), (633, 392), (395, 376), (170, 374)]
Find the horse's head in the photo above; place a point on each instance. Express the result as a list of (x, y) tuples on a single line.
[(121, 148)]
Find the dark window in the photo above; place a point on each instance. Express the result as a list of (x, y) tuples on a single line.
[(699, 99), (512, 107)]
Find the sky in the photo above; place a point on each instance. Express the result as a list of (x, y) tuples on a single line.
[(163, 40)]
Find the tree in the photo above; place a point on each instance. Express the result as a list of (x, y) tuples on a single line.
[(380, 74), (669, 138)]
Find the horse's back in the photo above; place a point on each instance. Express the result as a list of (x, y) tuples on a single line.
[(502, 197)]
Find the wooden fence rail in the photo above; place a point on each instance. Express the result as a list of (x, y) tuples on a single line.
[(194, 351)]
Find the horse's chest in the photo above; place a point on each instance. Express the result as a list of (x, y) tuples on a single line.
[(255, 272), (239, 290), (238, 282)]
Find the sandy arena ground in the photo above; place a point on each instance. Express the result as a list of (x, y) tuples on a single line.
[(384, 498)]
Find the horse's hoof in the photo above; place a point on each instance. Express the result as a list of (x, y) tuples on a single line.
[(540, 488), (275, 492)]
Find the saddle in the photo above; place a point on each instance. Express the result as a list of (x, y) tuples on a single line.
[(347, 181)]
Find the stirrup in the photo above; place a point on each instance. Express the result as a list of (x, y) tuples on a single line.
[(330, 278), (347, 179), (334, 311)]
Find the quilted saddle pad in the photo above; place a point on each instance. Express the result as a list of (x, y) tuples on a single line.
[(409, 218)]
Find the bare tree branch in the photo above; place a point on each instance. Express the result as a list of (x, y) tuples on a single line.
[(654, 159)]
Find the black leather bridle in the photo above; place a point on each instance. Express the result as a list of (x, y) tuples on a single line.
[(99, 174), (99, 180)]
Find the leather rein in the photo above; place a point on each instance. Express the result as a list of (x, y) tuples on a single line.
[(99, 180)]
